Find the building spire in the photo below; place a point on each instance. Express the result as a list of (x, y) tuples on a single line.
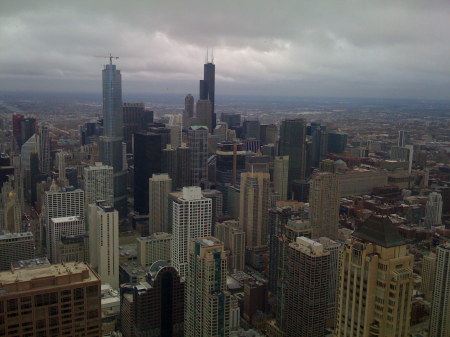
[(212, 55), (206, 60)]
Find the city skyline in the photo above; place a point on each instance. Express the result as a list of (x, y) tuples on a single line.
[(289, 49)]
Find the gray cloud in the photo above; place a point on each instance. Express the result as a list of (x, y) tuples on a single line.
[(329, 48)]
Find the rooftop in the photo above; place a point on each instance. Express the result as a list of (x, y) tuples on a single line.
[(379, 230)]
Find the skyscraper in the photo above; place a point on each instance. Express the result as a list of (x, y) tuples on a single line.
[(307, 286), (204, 114), (155, 307), (207, 87), (207, 302), (375, 283), (324, 205), (280, 176), (104, 242), (111, 149), (198, 142), (160, 185), (188, 112), (433, 210), (440, 304), (191, 219), (43, 139), (233, 239), (292, 144), (254, 207), (58, 227), (98, 184), (147, 161), (15, 247), (135, 119)]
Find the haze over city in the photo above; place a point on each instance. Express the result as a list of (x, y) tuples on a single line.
[(374, 49)]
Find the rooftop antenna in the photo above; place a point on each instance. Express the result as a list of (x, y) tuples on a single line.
[(110, 57), (212, 55), (206, 61)]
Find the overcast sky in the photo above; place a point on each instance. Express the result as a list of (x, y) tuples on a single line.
[(350, 48)]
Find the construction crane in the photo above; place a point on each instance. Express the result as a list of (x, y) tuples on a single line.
[(110, 57)]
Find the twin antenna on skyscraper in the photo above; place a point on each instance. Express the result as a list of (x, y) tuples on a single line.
[(110, 57), (212, 55)]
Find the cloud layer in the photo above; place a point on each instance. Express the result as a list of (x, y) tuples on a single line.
[(298, 48)]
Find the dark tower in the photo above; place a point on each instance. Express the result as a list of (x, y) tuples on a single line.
[(207, 86)]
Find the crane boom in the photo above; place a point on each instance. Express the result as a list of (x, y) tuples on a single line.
[(110, 57)]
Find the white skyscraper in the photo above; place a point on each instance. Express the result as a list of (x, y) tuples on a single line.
[(433, 210), (160, 185), (98, 183), (104, 242), (440, 304), (64, 226), (191, 219), (61, 163)]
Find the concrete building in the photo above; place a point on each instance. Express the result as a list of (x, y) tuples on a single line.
[(428, 275), (58, 227), (50, 300), (233, 239), (191, 216), (440, 304), (104, 242), (254, 207), (207, 311), (375, 283), (154, 307), (306, 288), (156, 247), (324, 205), (280, 176), (160, 185), (216, 197), (72, 248), (15, 247), (98, 184), (433, 210), (63, 202), (360, 181), (204, 114)]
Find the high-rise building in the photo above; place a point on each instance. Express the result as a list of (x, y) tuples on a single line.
[(155, 247), (98, 184), (198, 142), (254, 207), (375, 283), (58, 227), (147, 161), (440, 304), (233, 239), (51, 300), (155, 307), (306, 288), (232, 119), (204, 114), (251, 130), (104, 242), (135, 119), (207, 303), (111, 148), (269, 134), (188, 112), (207, 87), (191, 216), (27, 129), (280, 176), (184, 166), (324, 205), (319, 144), (15, 247), (72, 248), (216, 205), (292, 144), (160, 185), (433, 210), (403, 138), (43, 138), (428, 275)]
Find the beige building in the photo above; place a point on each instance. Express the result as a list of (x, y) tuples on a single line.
[(360, 181), (254, 207), (15, 247), (160, 185), (428, 277), (155, 247), (324, 205), (207, 304), (376, 282), (233, 239), (50, 300), (280, 176)]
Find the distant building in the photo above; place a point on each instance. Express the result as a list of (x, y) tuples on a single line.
[(233, 239), (135, 119), (160, 185), (72, 248), (433, 210), (198, 142), (15, 247), (59, 227), (53, 296), (428, 275), (280, 176), (98, 184), (188, 112)]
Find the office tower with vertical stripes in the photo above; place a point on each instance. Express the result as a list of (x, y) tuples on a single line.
[(160, 185), (198, 143), (98, 184)]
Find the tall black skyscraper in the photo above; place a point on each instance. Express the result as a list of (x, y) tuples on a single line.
[(207, 86), (147, 161)]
